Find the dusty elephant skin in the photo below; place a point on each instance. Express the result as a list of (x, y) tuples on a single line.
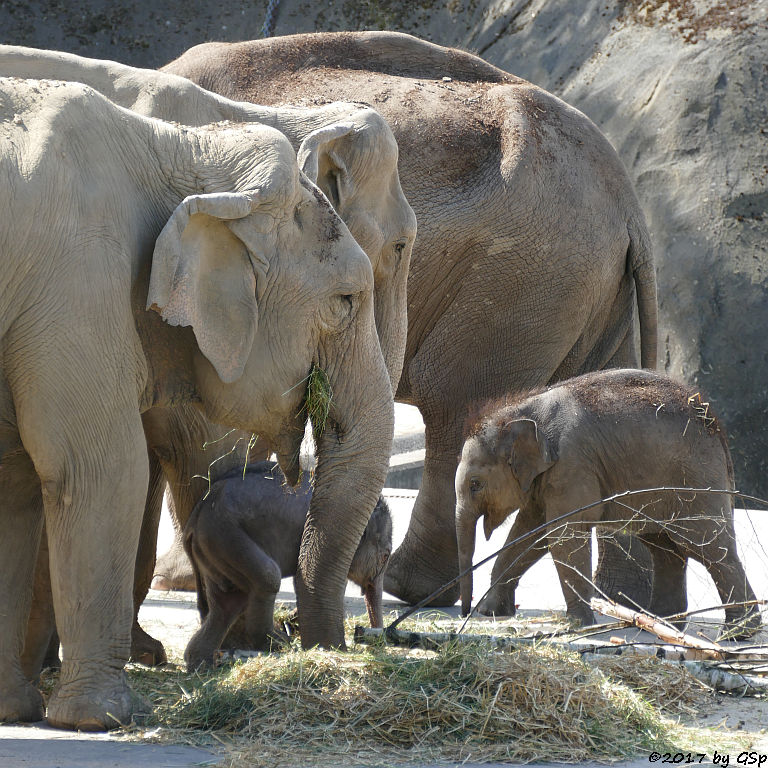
[(244, 537), (350, 152), (148, 264), (584, 440), (531, 242)]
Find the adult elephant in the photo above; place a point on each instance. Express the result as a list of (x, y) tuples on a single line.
[(531, 246), (148, 264), (349, 150)]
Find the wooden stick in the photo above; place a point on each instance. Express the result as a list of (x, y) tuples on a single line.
[(704, 649)]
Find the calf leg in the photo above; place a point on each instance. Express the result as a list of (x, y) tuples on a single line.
[(224, 606), (668, 594), (513, 562), (572, 553), (712, 542)]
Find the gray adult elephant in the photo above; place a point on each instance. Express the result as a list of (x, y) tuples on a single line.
[(148, 264), (349, 150), (531, 243)]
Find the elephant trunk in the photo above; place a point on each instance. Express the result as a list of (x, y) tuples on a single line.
[(353, 458), (392, 329), (372, 593), (466, 524), (287, 447)]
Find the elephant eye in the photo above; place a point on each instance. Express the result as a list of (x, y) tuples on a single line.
[(343, 307), (475, 485), (398, 250)]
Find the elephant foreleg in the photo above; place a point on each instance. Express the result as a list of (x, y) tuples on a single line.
[(513, 562)]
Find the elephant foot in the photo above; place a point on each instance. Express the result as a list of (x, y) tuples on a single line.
[(174, 571), (412, 576), (582, 617), (145, 649), (22, 705), (99, 710), (498, 602), (275, 641)]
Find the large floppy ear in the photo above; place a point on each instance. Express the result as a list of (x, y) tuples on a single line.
[(202, 276), (530, 453), (319, 159)]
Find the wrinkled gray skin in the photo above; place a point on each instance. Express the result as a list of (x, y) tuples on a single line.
[(349, 150), (148, 264), (532, 247), (244, 537), (586, 439)]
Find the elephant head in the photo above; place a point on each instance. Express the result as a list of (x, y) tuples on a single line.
[(498, 466), (272, 283), (354, 162), (370, 561)]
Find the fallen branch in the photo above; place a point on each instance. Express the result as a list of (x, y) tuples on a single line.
[(433, 641), (699, 649), (716, 676)]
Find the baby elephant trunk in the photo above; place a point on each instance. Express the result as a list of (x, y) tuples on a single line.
[(370, 561), (466, 523), (372, 592)]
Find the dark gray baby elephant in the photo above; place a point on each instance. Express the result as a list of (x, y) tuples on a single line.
[(244, 537), (584, 440)]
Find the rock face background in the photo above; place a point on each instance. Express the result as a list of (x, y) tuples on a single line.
[(679, 87)]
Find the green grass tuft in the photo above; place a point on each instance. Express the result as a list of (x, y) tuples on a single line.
[(318, 401)]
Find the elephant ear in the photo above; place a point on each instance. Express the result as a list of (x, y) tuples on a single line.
[(202, 276), (530, 453), (320, 160)]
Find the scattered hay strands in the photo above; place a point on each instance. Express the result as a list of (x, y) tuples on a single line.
[(381, 704), (696, 654)]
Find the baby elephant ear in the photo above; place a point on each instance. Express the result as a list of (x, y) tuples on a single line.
[(530, 453), (202, 276)]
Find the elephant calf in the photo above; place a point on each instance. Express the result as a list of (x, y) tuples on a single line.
[(244, 537), (583, 440)]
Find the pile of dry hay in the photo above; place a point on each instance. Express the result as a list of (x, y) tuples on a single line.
[(378, 705)]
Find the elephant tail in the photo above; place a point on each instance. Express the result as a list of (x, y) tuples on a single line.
[(641, 264)]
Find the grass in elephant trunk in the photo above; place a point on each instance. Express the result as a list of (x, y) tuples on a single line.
[(381, 705)]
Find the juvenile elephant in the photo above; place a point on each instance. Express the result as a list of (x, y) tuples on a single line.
[(244, 537), (531, 250), (584, 440), (350, 152), (148, 264)]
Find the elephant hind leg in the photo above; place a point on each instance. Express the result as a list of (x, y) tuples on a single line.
[(428, 556), (41, 644), (145, 649), (668, 595), (624, 570), (21, 521), (224, 606), (713, 543)]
